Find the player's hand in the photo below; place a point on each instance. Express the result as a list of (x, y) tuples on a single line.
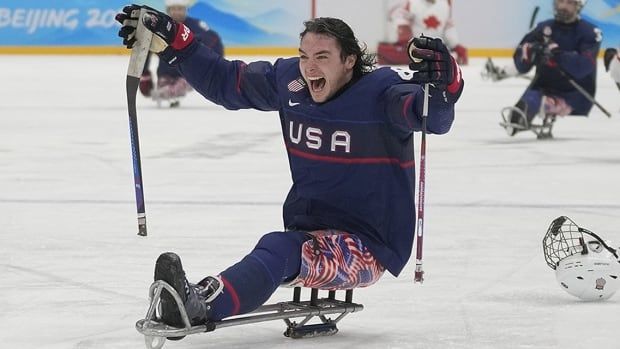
[(432, 63), (531, 51), (167, 31), (539, 52)]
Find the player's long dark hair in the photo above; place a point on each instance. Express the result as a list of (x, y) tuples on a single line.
[(349, 45)]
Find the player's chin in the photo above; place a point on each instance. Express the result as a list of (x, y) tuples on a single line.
[(320, 97)]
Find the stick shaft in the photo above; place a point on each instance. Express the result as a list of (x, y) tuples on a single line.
[(418, 275), (137, 60), (533, 18), (585, 93)]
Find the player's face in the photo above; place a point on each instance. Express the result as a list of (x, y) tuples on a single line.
[(178, 13), (321, 66), (566, 10)]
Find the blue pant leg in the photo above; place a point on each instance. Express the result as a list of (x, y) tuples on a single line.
[(581, 104), (249, 283), (530, 103)]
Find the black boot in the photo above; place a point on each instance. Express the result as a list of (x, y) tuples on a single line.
[(168, 268), (516, 119)]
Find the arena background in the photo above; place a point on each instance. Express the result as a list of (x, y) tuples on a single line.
[(271, 27)]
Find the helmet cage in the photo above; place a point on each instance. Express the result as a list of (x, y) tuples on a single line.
[(564, 239)]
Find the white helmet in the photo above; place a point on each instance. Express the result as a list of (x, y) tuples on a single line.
[(184, 3), (585, 266)]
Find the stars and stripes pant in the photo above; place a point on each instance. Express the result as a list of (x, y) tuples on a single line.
[(325, 259)]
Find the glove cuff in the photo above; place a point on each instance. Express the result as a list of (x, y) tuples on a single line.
[(183, 38)]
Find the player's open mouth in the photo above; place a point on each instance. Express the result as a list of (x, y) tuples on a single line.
[(317, 84)]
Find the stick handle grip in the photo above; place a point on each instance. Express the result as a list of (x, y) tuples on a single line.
[(140, 50)]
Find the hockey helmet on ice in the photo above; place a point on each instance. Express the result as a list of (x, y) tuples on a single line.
[(585, 266)]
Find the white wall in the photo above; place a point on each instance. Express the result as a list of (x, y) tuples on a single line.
[(364, 16)]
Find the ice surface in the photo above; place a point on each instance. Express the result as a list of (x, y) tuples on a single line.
[(75, 274)]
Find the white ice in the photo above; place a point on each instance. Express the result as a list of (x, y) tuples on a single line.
[(75, 274)]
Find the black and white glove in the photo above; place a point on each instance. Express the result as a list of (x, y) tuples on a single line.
[(168, 32), (539, 52), (432, 63)]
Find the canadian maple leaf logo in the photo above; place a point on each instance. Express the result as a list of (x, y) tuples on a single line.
[(431, 22)]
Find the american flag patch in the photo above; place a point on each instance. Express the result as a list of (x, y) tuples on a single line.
[(296, 85)]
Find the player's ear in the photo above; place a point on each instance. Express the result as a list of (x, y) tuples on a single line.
[(349, 62)]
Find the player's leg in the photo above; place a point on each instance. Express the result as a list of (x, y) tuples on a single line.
[(171, 88), (146, 83), (519, 117), (239, 289), (556, 105), (181, 87), (249, 283), (164, 83)]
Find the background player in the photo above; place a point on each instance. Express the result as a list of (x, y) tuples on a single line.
[(416, 17), (565, 44), (170, 84)]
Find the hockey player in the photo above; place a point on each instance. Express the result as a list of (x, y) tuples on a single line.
[(348, 131), (416, 17), (562, 49), (612, 64), (170, 84)]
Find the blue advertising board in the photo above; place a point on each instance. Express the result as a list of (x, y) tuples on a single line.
[(91, 22)]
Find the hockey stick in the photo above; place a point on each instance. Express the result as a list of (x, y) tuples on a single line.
[(533, 18), (139, 53), (581, 90), (574, 83), (418, 275)]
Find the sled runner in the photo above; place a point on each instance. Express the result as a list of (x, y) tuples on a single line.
[(156, 332), (514, 121)]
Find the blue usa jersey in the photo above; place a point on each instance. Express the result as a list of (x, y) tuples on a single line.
[(579, 43), (351, 158)]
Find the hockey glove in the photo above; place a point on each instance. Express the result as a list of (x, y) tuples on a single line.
[(539, 53), (168, 32), (432, 63)]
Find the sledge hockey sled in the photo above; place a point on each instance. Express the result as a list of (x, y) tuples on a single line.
[(541, 130), (155, 332), (492, 72)]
